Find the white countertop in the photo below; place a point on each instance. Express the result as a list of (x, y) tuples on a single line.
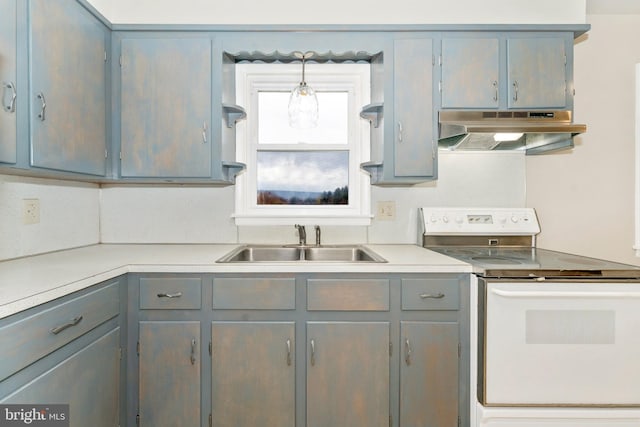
[(30, 281)]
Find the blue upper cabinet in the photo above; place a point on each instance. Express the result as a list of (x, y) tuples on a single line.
[(470, 72), (166, 107), (8, 81), (414, 149), (68, 104), (537, 72), (510, 70)]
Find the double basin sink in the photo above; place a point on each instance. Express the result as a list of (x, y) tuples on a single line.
[(264, 253)]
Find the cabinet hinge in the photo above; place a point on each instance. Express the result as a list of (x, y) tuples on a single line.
[(440, 60), (120, 155), (390, 421), (138, 348), (137, 419), (459, 421), (210, 420), (433, 149), (120, 353), (210, 349), (105, 56), (390, 349), (440, 86), (565, 59), (459, 350), (120, 60), (106, 154)]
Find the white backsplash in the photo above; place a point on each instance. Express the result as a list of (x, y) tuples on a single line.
[(204, 215), (69, 216)]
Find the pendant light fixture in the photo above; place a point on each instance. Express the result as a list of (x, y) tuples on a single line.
[(303, 102)]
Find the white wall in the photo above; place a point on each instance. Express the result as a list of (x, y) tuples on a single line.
[(585, 199), (69, 215), (204, 215), (342, 12)]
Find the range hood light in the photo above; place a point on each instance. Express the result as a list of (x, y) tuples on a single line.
[(507, 136)]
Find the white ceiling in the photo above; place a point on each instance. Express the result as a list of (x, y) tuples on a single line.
[(613, 7)]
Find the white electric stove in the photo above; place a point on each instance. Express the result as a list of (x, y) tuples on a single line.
[(554, 336)]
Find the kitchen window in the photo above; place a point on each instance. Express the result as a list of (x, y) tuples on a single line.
[(302, 175)]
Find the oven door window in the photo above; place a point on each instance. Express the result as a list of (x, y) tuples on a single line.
[(562, 344)]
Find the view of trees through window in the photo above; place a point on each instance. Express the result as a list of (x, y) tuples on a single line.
[(303, 178)]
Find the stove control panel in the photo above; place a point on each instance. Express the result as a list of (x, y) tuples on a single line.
[(479, 221)]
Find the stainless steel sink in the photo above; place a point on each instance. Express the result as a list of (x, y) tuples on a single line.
[(263, 253)]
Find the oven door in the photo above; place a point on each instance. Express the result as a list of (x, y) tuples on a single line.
[(559, 343)]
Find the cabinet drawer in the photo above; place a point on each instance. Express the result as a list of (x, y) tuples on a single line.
[(430, 294), (33, 337), (254, 293), (170, 294), (348, 295)]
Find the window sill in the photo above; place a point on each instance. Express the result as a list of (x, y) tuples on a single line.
[(293, 219)]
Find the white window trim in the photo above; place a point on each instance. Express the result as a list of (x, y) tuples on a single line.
[(636, 246), (250, 78)]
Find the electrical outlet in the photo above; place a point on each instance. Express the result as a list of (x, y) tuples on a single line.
[(386, 211), (30, 211)]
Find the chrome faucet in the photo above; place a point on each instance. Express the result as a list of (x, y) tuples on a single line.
[(317, 227), (302, 233)]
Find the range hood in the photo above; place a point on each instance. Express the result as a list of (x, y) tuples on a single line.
[(534, 132)]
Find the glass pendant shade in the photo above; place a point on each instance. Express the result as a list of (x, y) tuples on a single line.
[(303, 102)]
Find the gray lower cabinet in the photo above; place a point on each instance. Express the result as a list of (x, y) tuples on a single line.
[(169, 373), (8, 91), (67, 352), (88, 381), (313, 350), (253, 374), (429, 374), (348, 374)]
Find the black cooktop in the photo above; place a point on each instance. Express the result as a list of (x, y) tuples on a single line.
[(531, 262)]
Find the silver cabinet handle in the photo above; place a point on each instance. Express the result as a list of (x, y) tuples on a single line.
[(41, 114), (204, 132), (193, 352), (61, 328), (288, 352), (515, 90), (495, 90), (407, 351), (399, 131), (11, 107), (313, 353), (167, 295), (439, 295)]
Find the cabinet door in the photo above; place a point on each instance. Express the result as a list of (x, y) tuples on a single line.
[(68, 88), (253, 369), (166, 108), (536, 73), (348, 374), (8, 81), (429, 374), (169, 374), (413, 104), (88, 381), (470, 73)]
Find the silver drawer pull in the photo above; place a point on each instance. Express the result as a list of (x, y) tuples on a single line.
[(167, 295), (61, 328), (193, 352), (439, 295), (43, 106), (288, 352), (407, 352), (313, 353), (11, 107)]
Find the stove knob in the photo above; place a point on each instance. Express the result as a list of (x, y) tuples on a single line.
[(459, 219), (502, 219), (445, 219), (434, 219), (514, 219)]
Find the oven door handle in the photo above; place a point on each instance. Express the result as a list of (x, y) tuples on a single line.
[(564, 294)]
